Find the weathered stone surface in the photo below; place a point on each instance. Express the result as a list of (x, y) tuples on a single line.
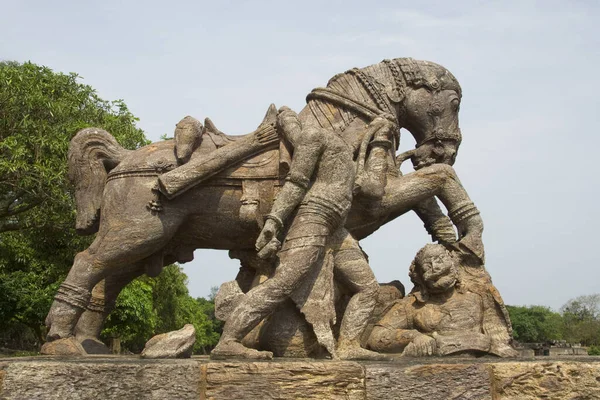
[(176, 344), (94, 346), (120, 377), (227, 298), (453, 309), (66, 347), (103, 379), (316, 182), (427, 382), (2, 373), (549, 380), (284, 380)]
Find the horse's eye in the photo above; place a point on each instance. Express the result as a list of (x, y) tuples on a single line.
[(455, 103)]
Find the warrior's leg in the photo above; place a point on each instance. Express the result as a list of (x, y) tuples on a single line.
[(259, 302), (353, 271)]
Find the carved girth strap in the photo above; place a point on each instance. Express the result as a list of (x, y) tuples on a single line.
[(252, 209)]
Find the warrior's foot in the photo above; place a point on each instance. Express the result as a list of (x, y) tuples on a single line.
[(358, 353), (232, 349)]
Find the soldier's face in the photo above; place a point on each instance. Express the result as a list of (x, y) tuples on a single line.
[(439, 271)]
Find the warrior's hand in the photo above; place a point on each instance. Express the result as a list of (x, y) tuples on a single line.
[(267, 244), (288, 121), (421, 346)]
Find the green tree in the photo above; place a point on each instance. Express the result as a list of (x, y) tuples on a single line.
[(134, 318), (533, 324), (40, 111), (175, 308), (582, 320), (150, 306)]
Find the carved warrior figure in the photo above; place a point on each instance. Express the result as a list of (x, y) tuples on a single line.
[(320, 182), (453, 309), (150, 211)]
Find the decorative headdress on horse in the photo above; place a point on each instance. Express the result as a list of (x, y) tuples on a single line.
[(427, 74)]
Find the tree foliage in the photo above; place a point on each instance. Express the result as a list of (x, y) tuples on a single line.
[(582, 320), (40, 111), (535, 323), (577, 322), (150, 306)]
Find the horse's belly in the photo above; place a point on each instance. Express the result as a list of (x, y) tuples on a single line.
[(215, 218)]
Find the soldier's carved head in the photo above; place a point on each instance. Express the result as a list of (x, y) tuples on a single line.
[(434, 270)]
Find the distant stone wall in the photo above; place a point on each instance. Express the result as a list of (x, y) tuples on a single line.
[(567, 351), (201, 379)]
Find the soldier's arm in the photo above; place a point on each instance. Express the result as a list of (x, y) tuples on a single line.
[(307, 152)]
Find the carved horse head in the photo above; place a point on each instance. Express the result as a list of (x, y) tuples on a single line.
[(420, 96), (429, 111)]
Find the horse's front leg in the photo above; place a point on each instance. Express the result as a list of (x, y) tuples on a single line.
[(440, 180), (437, 224), (102, 302)]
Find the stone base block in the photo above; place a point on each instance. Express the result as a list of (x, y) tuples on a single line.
[(119, 377)]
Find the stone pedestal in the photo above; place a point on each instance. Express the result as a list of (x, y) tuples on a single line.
[(119, 377)]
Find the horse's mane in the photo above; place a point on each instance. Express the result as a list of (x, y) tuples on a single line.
[(382, 86)]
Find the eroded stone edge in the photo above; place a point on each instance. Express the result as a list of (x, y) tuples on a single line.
[(205, 367), (203, 381), (3, 366)]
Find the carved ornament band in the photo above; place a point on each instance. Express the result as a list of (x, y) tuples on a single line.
[(442, 229), (370, 86), (276, 219), (140, 172), (385, 143), (73, 295), (440, 135), (331, 96), (463, 212), (96, 304), (298, 179)]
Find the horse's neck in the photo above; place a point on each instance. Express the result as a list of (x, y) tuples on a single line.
[(368, 86)]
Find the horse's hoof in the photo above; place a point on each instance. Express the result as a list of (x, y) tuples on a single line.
[(94, 346), (63, 347)]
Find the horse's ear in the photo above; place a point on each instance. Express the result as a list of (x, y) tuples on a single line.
[(209, 126), (270, 116)]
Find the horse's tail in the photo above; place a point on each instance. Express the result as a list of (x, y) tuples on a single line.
[(93, 152)]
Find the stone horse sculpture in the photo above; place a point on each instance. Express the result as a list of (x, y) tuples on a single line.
[(139, 229)]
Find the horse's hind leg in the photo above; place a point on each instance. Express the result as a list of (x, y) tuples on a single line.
[(110, 251), (101, 304)]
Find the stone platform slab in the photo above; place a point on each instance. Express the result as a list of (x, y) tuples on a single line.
[(121, 377)]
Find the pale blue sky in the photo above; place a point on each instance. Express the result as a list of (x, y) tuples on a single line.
[(529, 117)]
